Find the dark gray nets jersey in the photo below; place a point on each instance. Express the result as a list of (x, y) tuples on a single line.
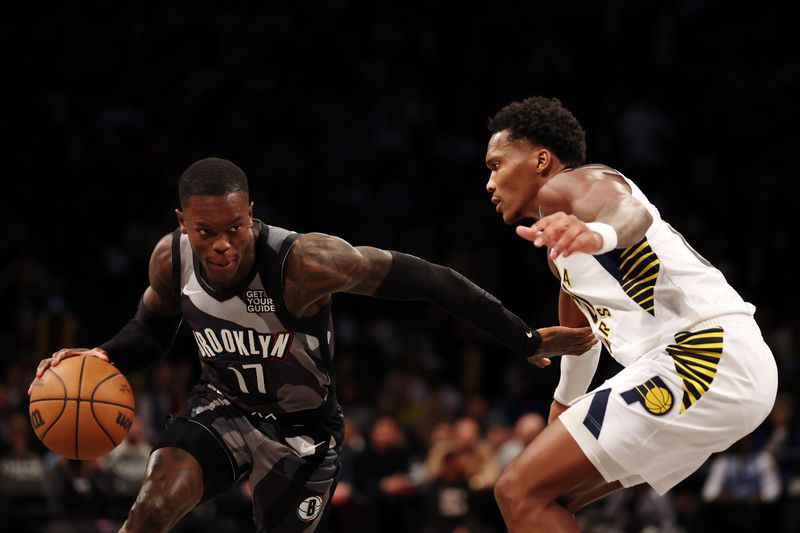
[(252, 350)]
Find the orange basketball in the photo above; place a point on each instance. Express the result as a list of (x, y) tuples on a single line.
[(81, 408)]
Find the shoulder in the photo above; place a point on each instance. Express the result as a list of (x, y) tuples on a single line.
[(319, 252), (160, 269), (574, 183), (162, 252), (311, 244)]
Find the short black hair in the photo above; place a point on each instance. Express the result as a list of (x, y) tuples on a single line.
[(544, 122), (211, 176)]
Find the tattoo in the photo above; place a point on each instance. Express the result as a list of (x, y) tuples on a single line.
[(320, 265)]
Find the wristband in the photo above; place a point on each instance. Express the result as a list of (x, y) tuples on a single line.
[(607, 234)]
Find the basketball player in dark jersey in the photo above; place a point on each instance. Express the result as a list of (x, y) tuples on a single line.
[(257, 299)]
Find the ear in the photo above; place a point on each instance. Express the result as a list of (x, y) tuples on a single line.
[(181, 221), (250, 214), (543, 160)]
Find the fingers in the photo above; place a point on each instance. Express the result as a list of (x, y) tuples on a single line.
[(540, 361), (96, 352), (580, 349), (563, 234), (528, 233), (62, 354)]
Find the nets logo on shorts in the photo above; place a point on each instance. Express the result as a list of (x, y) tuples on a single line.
[(309, 508), (653, 394)]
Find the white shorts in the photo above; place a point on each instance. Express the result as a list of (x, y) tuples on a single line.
[(659, 419)]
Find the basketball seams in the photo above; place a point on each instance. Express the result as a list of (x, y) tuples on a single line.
[(100, 425), (104, 402), (78, 407), (63, 405), (91, 397)]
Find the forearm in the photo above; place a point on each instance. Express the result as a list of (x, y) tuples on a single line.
[(144, 341), (577, 372), (412, 278)]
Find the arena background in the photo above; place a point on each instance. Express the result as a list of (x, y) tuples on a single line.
[(367, 120)]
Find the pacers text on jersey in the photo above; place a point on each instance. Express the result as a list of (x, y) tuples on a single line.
[(248, 342)]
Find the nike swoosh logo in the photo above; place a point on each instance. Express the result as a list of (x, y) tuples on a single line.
[(302, 445), (307, 448), (529, 333)]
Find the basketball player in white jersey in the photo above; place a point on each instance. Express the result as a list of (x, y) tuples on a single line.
[(697, 374)]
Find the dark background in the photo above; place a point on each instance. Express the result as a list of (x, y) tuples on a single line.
[(367, 121)]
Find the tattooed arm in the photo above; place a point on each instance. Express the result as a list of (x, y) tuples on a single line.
[(319, 265)]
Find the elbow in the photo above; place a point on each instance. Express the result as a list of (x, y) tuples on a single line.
[(647, 221), (636, 230)]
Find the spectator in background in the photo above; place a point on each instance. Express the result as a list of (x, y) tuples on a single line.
[(383, 473), (741, 484), (450, 503), (126, 466), (782, 441), (482, 470), (348, 504), (527, 428), (81, 489), (25, 503)]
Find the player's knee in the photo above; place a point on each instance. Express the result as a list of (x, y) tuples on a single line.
[(148, 515), (506, 490), (163, 501), (516, 497)]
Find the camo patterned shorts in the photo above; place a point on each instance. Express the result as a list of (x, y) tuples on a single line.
[(292, 468)]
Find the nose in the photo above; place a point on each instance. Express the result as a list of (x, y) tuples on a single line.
[(490, 185), (221, 244)]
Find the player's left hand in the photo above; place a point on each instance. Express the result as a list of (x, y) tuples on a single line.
[(561, 340), (564, 234)]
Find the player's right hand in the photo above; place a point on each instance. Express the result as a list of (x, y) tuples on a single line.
[(62, 354), (561, 340)]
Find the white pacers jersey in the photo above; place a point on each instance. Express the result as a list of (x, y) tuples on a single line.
[(698, 375), (633, 296)]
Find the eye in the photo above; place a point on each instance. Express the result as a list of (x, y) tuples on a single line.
[(203, 231), (236, 228)]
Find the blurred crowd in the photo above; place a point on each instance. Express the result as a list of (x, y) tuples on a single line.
[(368, 122), (427, 463)]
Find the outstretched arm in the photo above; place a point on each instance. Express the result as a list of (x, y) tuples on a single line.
[(320, 265)]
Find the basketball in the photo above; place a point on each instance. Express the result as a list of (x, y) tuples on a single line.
[(81, 408)]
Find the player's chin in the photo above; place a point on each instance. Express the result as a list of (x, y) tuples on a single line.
[(511, 217)]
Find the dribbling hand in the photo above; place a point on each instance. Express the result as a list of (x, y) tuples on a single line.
[(64, 353)]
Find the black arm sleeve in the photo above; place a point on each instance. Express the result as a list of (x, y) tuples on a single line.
[(412, 278), (143, 341)]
